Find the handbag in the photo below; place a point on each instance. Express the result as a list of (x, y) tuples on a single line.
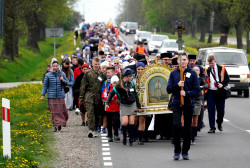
[(224, 92), (66, 88)]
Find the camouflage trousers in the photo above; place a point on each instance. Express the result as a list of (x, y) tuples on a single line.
[(94, 114)]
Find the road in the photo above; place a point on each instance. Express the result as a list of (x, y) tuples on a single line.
[(228, 149)]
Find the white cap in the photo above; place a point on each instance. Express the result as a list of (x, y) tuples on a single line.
[(114, 79), (53, 59), (128, 57), (77, 48)]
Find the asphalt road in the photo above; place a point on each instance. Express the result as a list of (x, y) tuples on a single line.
[(227, 149)]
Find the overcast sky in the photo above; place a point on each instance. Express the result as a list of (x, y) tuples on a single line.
[(97, 10)]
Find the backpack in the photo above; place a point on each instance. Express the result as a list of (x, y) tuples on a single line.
[(118, 95)]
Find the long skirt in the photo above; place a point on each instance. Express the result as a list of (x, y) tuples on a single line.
[(69, 99), (59, 112)]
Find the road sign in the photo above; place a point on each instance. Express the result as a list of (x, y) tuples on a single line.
[(6, 127), (54, 32)]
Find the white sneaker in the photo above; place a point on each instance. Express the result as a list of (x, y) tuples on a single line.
[(77, 111)]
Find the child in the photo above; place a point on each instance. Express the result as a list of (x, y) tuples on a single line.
[(127, 95), (113, 112)]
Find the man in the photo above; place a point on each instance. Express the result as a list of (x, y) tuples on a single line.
[(86, 44), (166, 59), (191, 89), (74, 63), (175, 63), (216, 78), (140, 49), (90, 93)]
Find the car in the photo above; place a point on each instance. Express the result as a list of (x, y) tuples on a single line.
[(144, 36), (155, 42), (136, 36), (235, 61), (122, 27), (131, 28), (169, 46)]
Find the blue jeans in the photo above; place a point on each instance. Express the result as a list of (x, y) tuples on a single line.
[(214, 103)]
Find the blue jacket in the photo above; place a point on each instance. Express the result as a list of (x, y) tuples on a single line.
[(191, 86), (53, 85), (71, 79)]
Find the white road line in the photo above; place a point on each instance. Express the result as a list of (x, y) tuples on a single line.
[(103, 135), (248, 131), (106, 158), (105, 153), (104, 141), (105, 144), (108, 164), (104, 138), (105, 149), (226, 120)]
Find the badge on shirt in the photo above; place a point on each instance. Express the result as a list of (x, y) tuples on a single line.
[(132, 90), (188, 75), (99, 78)]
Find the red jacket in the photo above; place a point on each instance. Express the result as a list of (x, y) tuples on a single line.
[(77, 72), (113, 106)]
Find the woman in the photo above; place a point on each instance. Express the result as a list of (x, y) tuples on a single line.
[(70, 76), (129, 102), (158, 89), (53, 85), (77, 85)]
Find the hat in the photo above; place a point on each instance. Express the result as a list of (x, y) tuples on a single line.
[(85, 65), (77, 48), (191, 56), (144, 61), (127, 72), (66, 54), (166, 55), (140, 64), (158, 55), (114, 79), (174, 61), (101, 53), (128, 57)]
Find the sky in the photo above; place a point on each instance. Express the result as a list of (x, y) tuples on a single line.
[(97, 10)]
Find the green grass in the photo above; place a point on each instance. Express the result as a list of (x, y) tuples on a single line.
[(30, 65), (31, 132)]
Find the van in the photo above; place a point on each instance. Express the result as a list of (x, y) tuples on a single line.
[(235, 61), (131, 28)]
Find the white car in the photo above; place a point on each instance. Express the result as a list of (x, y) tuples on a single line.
[(168, 45), (144, 36), (136, 36), (122, 27), (155, 42)]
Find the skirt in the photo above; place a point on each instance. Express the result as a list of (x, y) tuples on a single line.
[(197, 107), (59, 112), (128, 109)]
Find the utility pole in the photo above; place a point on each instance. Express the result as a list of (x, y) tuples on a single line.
[(1, 17)]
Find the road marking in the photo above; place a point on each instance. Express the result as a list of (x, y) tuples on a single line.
[(104, 141), (248, 131), (103, 135), (105, 144), (105, 149), (108, 164), (226, 120), (104, 138), (106, 158), (105, 153)]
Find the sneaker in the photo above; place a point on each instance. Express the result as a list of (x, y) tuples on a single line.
[(95, 134), (185, 156), (83, 124), (176, 156), (90, 135), (140, 142), (99, 128), (77, 111), (193, 142), (59, 128), (103, 130), (110, 139), (116, 138)]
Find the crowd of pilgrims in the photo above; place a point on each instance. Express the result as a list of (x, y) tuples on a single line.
[(109, 73)]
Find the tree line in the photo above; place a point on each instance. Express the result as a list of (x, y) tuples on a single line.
[(204, 16), (29, 18)]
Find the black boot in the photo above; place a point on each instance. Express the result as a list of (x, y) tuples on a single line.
[(131, 134), (140, 134), (124, 132)]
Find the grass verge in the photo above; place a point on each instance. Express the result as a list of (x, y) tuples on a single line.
[(30, 127), (30, 65)]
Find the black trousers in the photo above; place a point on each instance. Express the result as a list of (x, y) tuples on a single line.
[(188, 115), (113, 119)]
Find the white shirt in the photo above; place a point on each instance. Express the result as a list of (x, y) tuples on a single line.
[(212, 81)]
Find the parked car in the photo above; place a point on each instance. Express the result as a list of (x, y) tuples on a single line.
[(144, 36), (155, 42), (235, 61), (122, 27), (131, 28), (169, 46)]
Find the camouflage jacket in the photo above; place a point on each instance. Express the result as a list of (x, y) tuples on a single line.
[(91, 85)]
